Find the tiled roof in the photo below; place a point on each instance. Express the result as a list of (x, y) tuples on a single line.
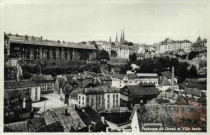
[(75, 92), (101, 89), (195, 80), (69, 122), (140, 90), (165, 82), (132, 76), (69, 76), (21, 84), (193, 92), (60, 81), (93, 74), (54, 127), (67, 89), (85, 83), (41, 77), (198, 86), (119, 76), (11, 94), (39, 41), (36, 124), (167, 74), (88, 115), (147, 74), (49, 78), (17, 127)]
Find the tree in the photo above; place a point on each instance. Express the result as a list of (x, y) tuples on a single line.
[(84, 56), (113, 53), (125, 68), (192, 55), (133, 57), (103, 56), (193, 72), (83, 42), (130, 44)]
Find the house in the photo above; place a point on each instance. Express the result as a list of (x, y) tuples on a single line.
[(140, 56), (166, 84), (132, 94), (69, 77), (24, 85), (120, 80), (17, 106), (73, 97), (68, 118), (67, 88), (92, 119), (195, 80), (105, 80), (90, 74), (89, 82), (36, 124), (100, 98), (172, 96), (46, 82), (193, 92), (61, 119), (148, 78), (168, 75), (122, 51), (197, 86), (59, 84)]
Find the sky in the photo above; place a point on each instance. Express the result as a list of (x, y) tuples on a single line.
[(143, 21)]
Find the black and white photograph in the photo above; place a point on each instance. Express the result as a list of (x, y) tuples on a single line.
[(104, 66)]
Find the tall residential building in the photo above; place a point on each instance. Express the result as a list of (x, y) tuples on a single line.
[(185, 46), (100, 98)]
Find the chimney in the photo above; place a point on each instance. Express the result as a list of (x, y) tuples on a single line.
[(108, 129), (89, 130), (66, 112), (83, 110), (24, 102), (102, 119), (172, 80)]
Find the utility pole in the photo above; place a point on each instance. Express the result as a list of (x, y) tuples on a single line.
[(172, 80), (44, 105)]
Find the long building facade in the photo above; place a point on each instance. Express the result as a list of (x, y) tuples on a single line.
[(32, 48)]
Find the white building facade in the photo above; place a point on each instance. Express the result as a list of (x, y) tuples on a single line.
[(121, 80)]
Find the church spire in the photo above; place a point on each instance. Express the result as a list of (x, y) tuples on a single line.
[(110, 40), (116, 38), (123, 38)]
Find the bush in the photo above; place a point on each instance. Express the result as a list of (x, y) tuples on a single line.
[(192, 55)]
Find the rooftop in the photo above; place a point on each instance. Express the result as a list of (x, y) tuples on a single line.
[(22, 84), (70, 122), (198, 86), (142, 89), (101, 89), (30, 40)]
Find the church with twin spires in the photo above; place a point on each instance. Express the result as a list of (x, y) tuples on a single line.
[(122, 38)]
